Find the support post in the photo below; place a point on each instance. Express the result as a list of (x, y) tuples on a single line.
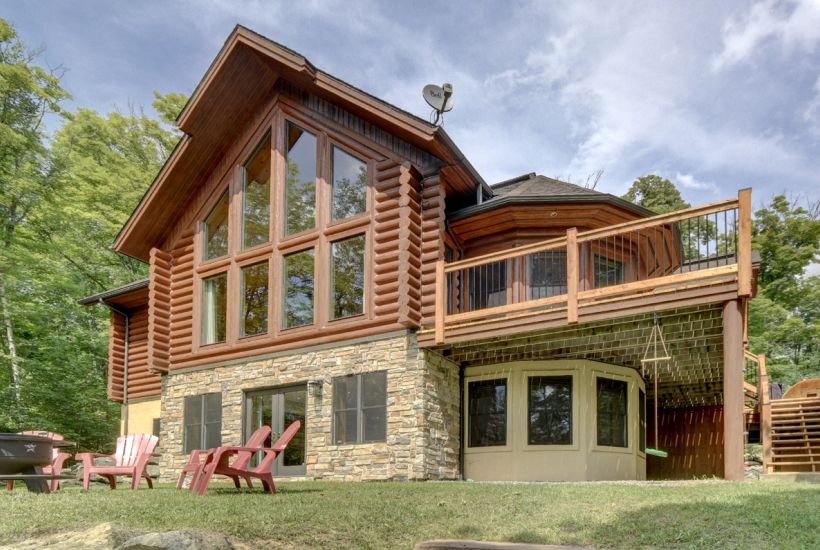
[(744, 243), (765, 414), (441, 293), (572, 275), (733, 391)]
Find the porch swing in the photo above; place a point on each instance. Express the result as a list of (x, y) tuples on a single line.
[(655, 337)]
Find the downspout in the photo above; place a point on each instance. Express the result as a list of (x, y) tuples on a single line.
[(127, 318), (461, 443)]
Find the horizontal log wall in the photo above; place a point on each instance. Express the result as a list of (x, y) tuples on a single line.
[(182, 297), (159, 311), (142, 382)]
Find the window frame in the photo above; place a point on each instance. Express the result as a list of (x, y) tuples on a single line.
[(574, 410), (241, 300), (202, 424), (365, 279), (359, 408), (597, 375), (200, 291), (319, 238), (509, 413), (267, 135)]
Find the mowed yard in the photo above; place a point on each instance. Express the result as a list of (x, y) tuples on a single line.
[(706, 514)]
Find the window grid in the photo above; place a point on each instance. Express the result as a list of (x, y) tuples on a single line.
[(360, 409)]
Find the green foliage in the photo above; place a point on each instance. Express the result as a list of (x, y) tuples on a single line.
[(62, 202), (656, 193)]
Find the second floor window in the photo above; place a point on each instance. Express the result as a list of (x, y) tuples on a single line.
[(347, 272), (608, 271), (256, 195), (300, 180), (214, 306), (349, 185), (215, 230), (547, 274), (254, 318), (297, 300)]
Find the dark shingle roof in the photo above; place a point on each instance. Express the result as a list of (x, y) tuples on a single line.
[(533, 185)]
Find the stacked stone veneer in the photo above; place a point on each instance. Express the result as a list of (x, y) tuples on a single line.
[(422, 408)]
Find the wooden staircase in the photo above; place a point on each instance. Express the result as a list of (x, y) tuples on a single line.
[(795, 436)]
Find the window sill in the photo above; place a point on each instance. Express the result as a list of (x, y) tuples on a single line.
[(614, 450), (484, 450)]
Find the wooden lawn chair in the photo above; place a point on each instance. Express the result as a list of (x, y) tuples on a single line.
[(57, 460), (194, 466), (218, 462), (130, 459)]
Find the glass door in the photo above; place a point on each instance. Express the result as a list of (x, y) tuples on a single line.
[(279, 408)]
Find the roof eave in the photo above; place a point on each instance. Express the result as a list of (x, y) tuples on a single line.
[(554, 199), (107, 295)]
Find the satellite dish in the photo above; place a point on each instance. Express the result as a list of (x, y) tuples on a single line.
[(439, 98)]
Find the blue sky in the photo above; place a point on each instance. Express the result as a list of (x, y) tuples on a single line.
[(713, 95)]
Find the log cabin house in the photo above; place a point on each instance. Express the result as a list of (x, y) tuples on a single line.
[(318, 254)]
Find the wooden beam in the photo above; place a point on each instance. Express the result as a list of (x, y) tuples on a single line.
[(572, 275), (441, 300), (733, 440), (765, 414), (744, 243)]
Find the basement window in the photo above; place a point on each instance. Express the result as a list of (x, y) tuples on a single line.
[(549, 410), (612, 413), (487, 413), (642, 420), (202, 416), (360, 408)]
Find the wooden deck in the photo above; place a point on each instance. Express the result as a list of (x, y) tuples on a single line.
[(692, 257)]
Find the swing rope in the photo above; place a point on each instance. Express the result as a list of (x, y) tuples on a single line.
[(653, 342)]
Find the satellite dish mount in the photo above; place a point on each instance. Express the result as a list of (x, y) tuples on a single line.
[(440, 98)]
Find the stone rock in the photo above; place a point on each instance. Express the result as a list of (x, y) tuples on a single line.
[(100, 537), (178, 540)]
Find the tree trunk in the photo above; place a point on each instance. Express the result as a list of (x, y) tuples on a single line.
[(6, 321)]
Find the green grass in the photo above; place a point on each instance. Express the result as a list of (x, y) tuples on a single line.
[(705, 514)]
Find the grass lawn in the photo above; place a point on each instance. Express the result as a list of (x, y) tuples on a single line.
[(705, 514)]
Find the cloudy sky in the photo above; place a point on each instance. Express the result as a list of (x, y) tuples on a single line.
[(713, 95)]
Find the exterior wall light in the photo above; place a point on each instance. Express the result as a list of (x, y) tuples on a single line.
[(315, 388)]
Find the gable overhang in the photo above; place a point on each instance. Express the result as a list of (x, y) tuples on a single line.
[(501, 202), (238, 83)]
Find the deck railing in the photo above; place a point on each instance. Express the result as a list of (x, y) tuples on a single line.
[(601, 265)]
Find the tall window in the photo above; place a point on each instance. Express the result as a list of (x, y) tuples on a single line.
[(547, 274), (254, 315), (360, 408), (300, 180), (297, 306), (487, 417), (608, 271), (549, 410), (215, 230), (347, 277), (202, 418), (256, 193), (612, 413), (214, 306), (349, 185)]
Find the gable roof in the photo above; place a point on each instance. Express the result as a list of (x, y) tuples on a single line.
[(532, 188), (239, 80)]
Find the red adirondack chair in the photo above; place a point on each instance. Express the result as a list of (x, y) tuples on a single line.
[(195, 464), (218, 462), (130, 459), (57, 460)]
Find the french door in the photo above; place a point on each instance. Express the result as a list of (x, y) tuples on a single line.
[(279, 408)]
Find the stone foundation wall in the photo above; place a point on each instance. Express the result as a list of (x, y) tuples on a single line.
[(422, 408)]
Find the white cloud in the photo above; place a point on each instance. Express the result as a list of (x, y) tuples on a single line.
[(793, 24), (812, 113), (688, 181)]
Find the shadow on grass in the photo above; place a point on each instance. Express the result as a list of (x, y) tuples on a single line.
[(281, 490), (776, 518)]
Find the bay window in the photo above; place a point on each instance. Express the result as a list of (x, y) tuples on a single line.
[(612, 412), (549, 410), (487, 413)]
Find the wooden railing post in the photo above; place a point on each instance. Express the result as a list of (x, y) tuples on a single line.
[(441, 306), (765, 414), (572, 275), (744, 240)]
